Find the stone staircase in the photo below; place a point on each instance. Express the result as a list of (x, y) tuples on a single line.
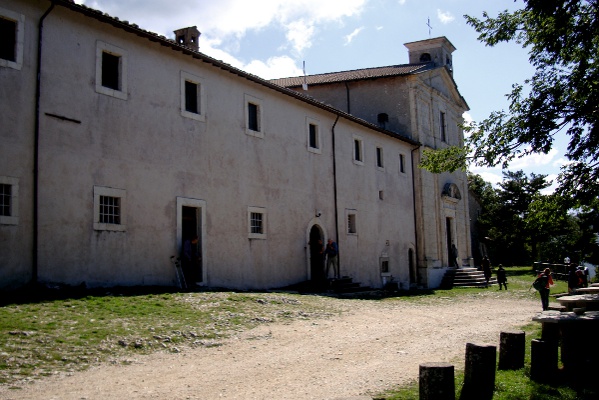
[(345, 284), (465, 277)]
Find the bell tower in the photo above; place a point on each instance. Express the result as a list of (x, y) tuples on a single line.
[(435, 50)]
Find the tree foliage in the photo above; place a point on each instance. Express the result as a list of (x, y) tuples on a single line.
[(562, 97), (519, 224)]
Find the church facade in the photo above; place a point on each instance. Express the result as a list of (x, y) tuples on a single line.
[(118, 145)]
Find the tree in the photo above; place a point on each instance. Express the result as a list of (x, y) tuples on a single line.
[(562, 97)]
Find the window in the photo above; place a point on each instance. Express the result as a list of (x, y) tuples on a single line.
[(257, 222), (381, 195), (313, 135), (379, 157), (442, 126), (12, 26), (111, 66), (111, 70), (110, 210), (109, 207), (9, 206), (358, 151), (192, 97), (351, 222), (402, 162), (253, 115), (8, 33)]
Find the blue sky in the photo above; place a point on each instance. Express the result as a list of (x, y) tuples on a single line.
[(272, 38)]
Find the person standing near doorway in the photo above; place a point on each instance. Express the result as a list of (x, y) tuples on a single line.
[(332, 252), (190, 259)]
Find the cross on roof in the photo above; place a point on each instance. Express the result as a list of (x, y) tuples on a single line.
[(428, 23)]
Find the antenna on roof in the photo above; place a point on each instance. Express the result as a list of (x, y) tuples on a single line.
[(305, 84), (428, 23)]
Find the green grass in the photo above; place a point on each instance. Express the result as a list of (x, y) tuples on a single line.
[(42, 335), (509, 385)]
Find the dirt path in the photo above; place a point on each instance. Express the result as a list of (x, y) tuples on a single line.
[(370, 347)]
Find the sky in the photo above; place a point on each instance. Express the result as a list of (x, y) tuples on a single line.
[(274, 38)]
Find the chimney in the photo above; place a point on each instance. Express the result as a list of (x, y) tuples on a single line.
[(188, 37)]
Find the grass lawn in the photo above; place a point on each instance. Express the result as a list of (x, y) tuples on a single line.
[(510, 385), (44, 333)]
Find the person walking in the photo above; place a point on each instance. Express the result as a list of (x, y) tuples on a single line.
[(486, 264), (332, 252), (501, 277), (546, 282)]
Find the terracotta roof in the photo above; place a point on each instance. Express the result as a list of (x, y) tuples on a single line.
[(358, 74)]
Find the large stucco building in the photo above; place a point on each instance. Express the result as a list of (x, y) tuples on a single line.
[(117, 144)]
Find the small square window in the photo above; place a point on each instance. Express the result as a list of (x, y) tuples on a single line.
[(351, 223), (379, 157), (253, 115), (12, 34), (257, 222), (384, 265), (5, 200), (111, 70), (9, 204), (109, 208)]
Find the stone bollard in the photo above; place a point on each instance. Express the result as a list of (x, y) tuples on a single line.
[(436, 381), (512, 346), (479, 372), (543, 360)]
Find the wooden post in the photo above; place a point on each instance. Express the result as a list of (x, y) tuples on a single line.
[(543, 360), (479, 372), (437, 381), (512, 346)]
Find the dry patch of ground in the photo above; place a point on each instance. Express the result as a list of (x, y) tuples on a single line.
[(366, 348)]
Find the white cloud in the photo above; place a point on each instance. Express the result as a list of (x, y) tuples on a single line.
[(274, 67), (351, 36), (534, 160), (227, 21), (445, 16), (299, 34)]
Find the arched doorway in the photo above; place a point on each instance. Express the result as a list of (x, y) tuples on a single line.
[(316, 244)]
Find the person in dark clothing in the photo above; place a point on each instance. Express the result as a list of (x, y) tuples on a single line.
[(501, 277), (547, 281), (486, 264), (573, 283)]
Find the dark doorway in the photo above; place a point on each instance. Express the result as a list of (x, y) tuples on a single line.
[(189, 226), (412, 267), (316, 254), (451, 257)]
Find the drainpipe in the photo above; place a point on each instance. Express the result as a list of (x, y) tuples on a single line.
[(36, 136), (415, 222), (347, 98), (335, 193)]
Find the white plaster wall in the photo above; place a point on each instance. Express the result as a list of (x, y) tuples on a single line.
[(17, 94), (144, 146)]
